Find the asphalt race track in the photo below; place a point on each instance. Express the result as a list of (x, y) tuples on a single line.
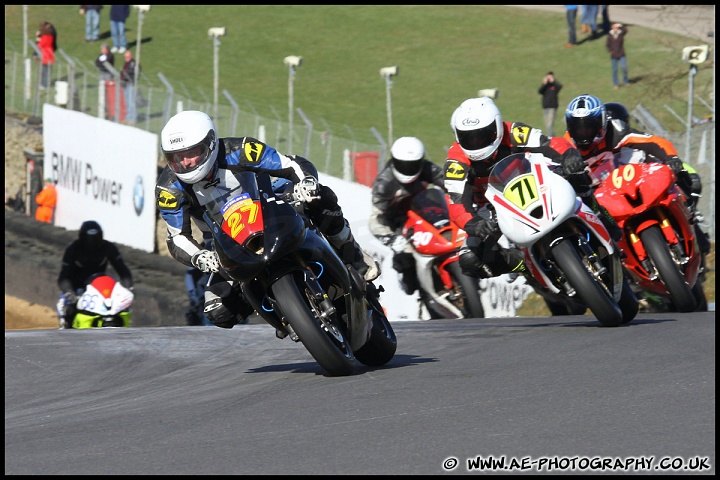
[(203, 400)]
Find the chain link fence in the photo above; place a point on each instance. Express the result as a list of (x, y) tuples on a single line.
[(76, 85), (700, 143)]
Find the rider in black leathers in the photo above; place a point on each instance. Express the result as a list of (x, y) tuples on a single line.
[(84, 257), (404, 175)]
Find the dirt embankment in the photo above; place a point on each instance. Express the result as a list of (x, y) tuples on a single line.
[(23, 315)]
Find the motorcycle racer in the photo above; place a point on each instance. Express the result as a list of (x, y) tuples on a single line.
[(482, 139), (406, 173), (198, 162), (84, 257), (595, 127)]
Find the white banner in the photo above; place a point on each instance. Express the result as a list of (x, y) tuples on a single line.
[(103, 171)]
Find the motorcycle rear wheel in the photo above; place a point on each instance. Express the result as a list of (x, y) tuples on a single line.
[(657, 249), (329, 347), (594, 295)]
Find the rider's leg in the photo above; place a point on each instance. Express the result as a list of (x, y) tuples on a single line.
[(225, 306), (328, 216)]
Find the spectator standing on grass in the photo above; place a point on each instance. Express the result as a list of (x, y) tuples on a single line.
[(571, 16), (107, 81), (615, 44), (588, 18), (46, 43), (127, 81), (549, 90), (604, 13), (92, 21), (118, 17), (105, 56)]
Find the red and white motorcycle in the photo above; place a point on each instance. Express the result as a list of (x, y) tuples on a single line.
[(567, 250), (103, 303), (444, 290)]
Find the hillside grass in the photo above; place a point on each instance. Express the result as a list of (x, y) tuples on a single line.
[(445, 54)]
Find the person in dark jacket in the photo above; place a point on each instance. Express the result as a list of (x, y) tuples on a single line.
[(127, 81), (105, 56), (407, 173), (549, 90), (118, 17), (83, 258)]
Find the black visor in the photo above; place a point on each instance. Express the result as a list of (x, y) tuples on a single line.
[(478, 139), (583, 130), (407, 167)]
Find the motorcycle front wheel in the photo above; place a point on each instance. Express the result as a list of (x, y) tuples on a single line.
[(595, 296), (325, 340), (658, 250), (468, 298), (382, 344)]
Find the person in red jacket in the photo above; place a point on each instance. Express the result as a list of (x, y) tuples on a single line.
[(483, 139), (46, 43)]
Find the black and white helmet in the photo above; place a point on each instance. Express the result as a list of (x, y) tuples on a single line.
[(183, 133), (407, 157)]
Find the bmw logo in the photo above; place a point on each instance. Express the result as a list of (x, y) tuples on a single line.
[(138, 195)]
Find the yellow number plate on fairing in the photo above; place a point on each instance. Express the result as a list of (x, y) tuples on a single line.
[(522, 192)]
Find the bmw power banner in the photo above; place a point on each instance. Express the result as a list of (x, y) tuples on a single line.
[(103, 171)]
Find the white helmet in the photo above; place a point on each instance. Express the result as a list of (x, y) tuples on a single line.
[(478, 127), (184, 132), (407, 156)]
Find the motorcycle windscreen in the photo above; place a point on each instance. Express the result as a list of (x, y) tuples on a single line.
[(431, 206)]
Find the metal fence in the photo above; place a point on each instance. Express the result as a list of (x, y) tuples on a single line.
[(76, 85), (335, 153), (696, 149)]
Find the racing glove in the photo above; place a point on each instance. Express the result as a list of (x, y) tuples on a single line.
[(206, 261), (482, 227), (676, 165), (307, 190), (71, 298), (573, 163)]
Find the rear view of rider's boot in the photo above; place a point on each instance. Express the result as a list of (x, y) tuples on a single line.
[(351, 252)]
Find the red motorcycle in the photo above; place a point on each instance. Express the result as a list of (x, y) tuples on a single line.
[(661, 253), (444, 290)]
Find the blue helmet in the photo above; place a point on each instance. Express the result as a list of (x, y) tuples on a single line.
[(586, 119)]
